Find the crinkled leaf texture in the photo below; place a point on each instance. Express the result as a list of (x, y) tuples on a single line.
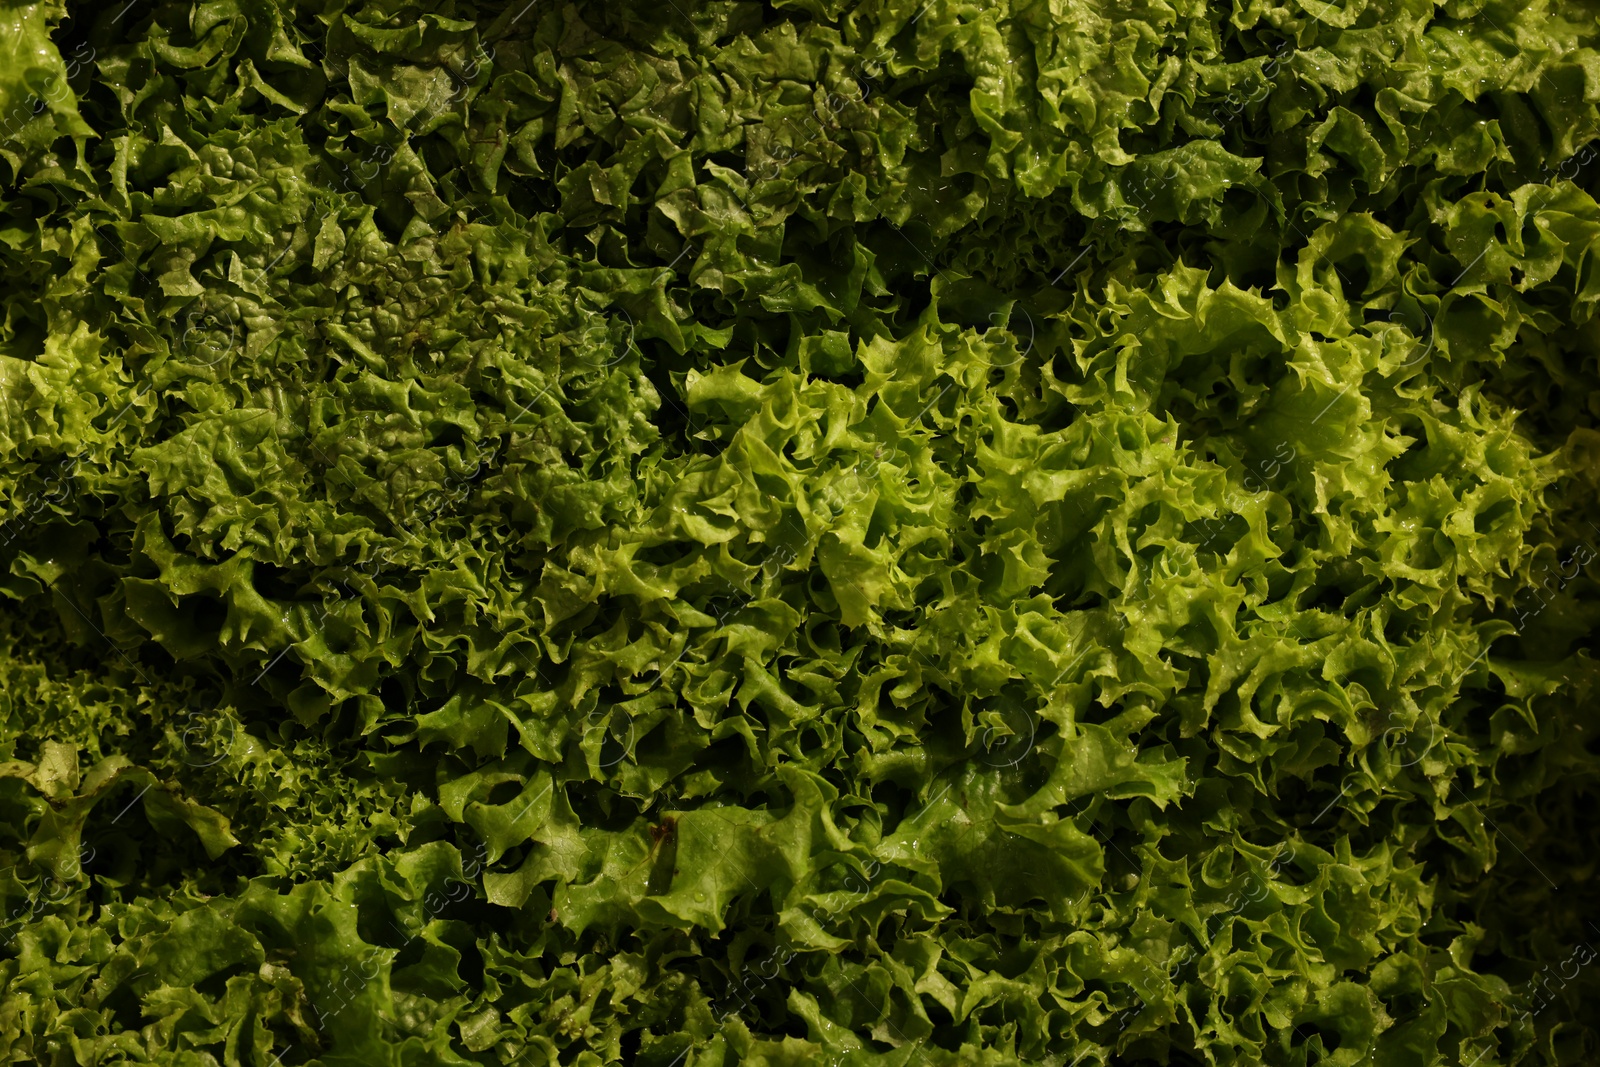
[(710, 534)]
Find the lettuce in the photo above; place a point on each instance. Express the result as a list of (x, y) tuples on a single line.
[(820, 532)]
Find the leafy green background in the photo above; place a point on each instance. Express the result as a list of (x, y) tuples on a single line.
[(720, 533)]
